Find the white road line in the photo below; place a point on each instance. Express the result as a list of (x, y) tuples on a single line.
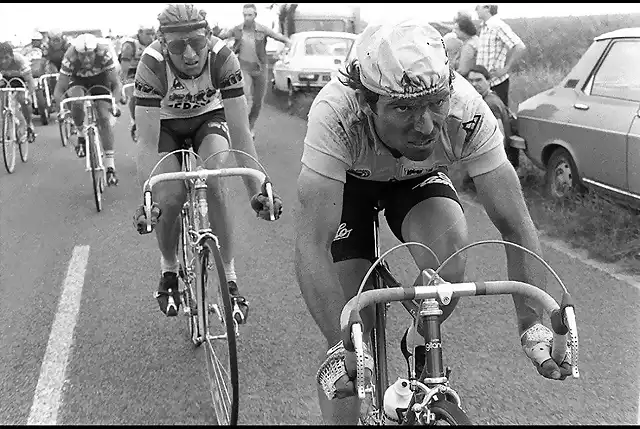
[(48, 394), (580, 255)]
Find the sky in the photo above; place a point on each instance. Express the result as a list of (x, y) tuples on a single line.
[(124, 19)]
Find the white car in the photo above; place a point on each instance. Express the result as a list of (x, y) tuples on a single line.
[(313, 58)]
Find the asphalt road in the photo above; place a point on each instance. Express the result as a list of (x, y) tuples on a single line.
[(129, 364)]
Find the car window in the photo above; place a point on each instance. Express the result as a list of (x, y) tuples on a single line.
[(327, 46), (618, 76)]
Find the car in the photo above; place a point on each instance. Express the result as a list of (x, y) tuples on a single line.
[(311, 61), (585, 132)]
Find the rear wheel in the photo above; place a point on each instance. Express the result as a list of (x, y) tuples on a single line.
[(220, 333), (43, 110), (97, 174), (65, 131), (448, 414), (9, 136)]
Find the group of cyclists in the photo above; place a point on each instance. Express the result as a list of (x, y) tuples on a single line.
[(383, 134)]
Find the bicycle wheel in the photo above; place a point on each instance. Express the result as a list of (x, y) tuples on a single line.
[(23, 145), (448, 413), (65, 131), (185, 272), (97, 175), (9, 134), (43, 110), (220, 335)]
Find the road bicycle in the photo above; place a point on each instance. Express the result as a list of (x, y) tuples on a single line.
[(93, 161), (126, 97), (11, 137), (433, 401), (212, 318), (43, 97)]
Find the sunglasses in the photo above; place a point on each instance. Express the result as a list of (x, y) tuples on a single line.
[(178, 46)]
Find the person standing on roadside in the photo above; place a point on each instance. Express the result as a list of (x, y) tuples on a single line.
[(453, 43), (250, 45), (499, 49), (466, 31)]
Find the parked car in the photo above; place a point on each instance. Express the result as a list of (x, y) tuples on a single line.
[(312, 59), (585, 132)]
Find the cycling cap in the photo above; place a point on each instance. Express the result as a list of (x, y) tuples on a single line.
[(37, 36), (181, 17), (405, 59), (55, 33), (85, 43)]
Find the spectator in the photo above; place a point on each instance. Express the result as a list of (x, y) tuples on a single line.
[(452, 45), (466, 31), (499, 48), (479, 77), (250, 45)]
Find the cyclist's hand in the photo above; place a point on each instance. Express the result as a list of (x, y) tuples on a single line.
[(261, 205), (536, 344), (140, 220), (337, 374)]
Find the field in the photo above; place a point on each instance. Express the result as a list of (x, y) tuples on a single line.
[(609, 232)]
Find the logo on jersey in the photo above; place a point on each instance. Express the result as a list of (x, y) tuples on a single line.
[(361, 172), (188, 100), (146, 89), (177, 84), (342, 232), (439, 178), (471, 126), (232, 79)]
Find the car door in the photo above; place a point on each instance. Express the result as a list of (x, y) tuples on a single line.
[(602, 115), (633, 155)]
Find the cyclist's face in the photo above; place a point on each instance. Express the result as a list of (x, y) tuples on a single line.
[(192, 60), (87, 58), (146, 36), (411, 127), (5, 61), (55, 42)]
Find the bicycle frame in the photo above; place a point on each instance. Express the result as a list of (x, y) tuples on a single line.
[(43, 81)]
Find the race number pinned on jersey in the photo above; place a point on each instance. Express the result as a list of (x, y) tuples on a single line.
[(471, 126)]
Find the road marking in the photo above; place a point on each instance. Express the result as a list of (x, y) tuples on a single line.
[(48, 394), (581, 255)]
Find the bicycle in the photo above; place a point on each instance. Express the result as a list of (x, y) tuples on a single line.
[(433, 401), (94, 162), (126, 97), (43, 97), (197, 247), (11, 125)]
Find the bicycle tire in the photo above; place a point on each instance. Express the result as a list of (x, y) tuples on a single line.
[(225, 403), (96, 174), (448, 412), (23, 146), (41, 103), (8, 141), (379, 351), (65, 132)]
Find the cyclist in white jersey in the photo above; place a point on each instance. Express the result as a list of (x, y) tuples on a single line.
[(189, 90), (386, 133)]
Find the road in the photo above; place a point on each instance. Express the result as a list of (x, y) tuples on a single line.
[(129, 364)]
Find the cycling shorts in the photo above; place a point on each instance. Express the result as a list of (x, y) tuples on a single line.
[(181, 133), (89, 82), (354, 238)]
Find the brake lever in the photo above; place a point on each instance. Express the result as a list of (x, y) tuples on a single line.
[(269, 189), (147, 210), (356, 337)]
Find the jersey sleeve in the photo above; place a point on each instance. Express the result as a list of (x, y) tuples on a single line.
[(326, 143), (150, 85), (482, 149), (67, 62), (227, 75)]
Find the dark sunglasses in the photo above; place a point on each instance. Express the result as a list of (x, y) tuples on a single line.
[(178, 46)]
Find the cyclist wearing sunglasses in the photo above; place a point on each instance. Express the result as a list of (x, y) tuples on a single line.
[(14, 65), (188, 90), (130, 57), (89, 62), (388, 130)]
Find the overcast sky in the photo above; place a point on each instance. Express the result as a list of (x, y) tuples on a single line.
[(124, 19)]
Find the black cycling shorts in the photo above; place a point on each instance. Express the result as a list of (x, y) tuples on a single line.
[(354, 238), (180, 133), (89, 82)]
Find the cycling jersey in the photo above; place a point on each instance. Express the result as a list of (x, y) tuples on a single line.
[(103, 62), (339, 140), (138, 49), (159, 84), (19, 67), (54, 55)]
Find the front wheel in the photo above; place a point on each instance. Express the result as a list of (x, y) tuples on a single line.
[(9, 137), (448, 413), (65, 131), (97, 174), (43, 110), (220, 336)]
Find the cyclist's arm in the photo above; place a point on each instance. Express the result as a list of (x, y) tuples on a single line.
[(237, 114), (316, 222), (113, 82), (62, 84), (498, 188), (30, 81)]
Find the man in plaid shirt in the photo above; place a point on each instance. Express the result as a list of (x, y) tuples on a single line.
[(499, 49)]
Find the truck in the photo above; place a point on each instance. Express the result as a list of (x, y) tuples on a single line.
[(296, 17)]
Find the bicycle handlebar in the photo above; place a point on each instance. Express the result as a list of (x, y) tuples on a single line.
[(13, 89), (201, 173), (114, 109), (562, 316), (42, 78)]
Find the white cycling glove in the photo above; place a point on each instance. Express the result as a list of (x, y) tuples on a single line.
[(333, 368)]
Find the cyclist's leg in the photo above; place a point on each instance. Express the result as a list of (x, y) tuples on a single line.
[(352, 251), (427, 210), (170, 197), (106, 134), (77, 88), (25, 106)]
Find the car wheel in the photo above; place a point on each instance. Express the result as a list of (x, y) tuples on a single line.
[(562, 177)]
